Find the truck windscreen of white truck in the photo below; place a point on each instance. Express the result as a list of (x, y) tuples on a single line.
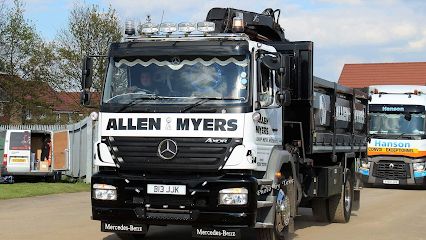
[(397, 123), (177, 80)]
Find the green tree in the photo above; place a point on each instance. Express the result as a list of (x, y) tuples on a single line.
[(19, 41), (90, 31), (2, 30), (27, 61)]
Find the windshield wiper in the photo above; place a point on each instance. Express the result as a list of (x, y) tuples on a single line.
[(204, 100), (400, 135), (138, 100)]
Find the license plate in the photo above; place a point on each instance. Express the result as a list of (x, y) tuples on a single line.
[(391, 182), (18, 160), (118, 227), (166, 189)]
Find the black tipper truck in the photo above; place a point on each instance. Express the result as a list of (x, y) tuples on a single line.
[(233, 131)]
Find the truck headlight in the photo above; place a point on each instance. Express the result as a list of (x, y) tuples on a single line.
[(233, 196), (419, 167), (104, 192), (365, 164)]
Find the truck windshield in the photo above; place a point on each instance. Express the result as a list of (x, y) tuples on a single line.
[(183, 79), (397, 123)]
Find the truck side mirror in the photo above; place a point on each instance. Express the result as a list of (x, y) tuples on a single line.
[(87, 73), (271, 62), (85, 97), (86, 80), (407, 116)]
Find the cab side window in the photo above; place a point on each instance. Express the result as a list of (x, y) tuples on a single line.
[(265, 89)]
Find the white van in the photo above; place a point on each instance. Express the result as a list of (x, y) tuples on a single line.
[(23, 152), (2, 139)]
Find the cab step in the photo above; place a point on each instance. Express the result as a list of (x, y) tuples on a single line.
[(263, 225), (264, 204), (264, 181)]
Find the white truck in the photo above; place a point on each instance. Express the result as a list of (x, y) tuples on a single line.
[(231, 132), (22, 153), (397, 139)]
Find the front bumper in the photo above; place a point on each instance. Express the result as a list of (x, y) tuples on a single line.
[(199, 207), (412, 178), (418, 181)]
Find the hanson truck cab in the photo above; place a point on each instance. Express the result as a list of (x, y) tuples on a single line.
[(397, 143)]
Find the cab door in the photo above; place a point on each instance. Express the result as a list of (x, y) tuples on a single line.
[(60, 151), (18, 150)]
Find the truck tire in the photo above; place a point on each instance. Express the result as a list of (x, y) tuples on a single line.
[(340, 206), (271, 234), (320, 209), (56, 177), (280, 231)]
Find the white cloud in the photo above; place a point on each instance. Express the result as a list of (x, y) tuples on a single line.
[(418, 44), (359, 25), (341, 1), (344, 31)]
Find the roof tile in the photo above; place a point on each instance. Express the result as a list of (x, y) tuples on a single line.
[(367, 74)]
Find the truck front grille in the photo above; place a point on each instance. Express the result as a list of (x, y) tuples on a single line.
[(192, 154), (391, 170)]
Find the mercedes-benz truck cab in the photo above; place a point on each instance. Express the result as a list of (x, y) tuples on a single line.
[(397, 142), (231, 131)]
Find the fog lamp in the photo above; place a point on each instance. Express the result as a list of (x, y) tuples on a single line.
[(419, 167), (365, 164), (104, 192), (233, 196)]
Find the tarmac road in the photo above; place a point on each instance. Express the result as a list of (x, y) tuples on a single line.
[(385, 214)]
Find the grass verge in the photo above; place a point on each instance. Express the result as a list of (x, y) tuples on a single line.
[(21, 190)]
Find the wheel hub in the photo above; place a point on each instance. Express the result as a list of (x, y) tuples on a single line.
[(282, 211), (348, 197)]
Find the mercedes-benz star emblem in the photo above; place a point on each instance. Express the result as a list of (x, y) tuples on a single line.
[(167, 149), (391, 166), (175, 61)]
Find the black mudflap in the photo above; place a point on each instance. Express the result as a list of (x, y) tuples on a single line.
[(356, 203)]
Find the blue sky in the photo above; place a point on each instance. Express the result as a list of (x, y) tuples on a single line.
[(343, 31)]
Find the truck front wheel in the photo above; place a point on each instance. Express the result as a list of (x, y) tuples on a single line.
[(280, 230), (340, 206)]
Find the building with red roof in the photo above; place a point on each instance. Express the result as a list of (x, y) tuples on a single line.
[(363, 75), (33, 102)]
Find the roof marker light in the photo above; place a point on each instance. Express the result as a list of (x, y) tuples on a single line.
[(149, 28), (129, 28), (205, 27), (168, 27), (238, 23), (186, 27)]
